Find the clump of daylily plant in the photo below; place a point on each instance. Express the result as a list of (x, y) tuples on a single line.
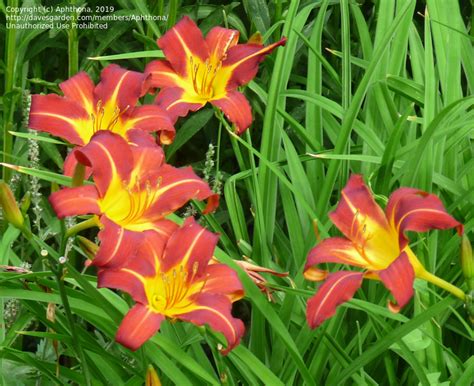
[(169, 270)]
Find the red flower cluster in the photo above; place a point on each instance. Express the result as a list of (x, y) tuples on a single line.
[(168, 270)]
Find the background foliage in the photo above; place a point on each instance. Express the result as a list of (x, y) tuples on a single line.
[(382, 88)]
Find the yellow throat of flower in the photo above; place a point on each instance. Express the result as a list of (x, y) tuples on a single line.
[(207, 80), (170, 293), (127, 204)]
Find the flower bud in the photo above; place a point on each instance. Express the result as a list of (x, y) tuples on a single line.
[(11, 211), (25, 202), (88, 247), (467, 262), (152, 378), (256, 38)]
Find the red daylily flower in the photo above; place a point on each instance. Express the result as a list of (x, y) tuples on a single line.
[(200, 70), (375, 241), (134, 190), (175, 280), (86, 109)]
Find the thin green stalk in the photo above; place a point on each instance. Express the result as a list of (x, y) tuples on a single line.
[(38, 244), (89, 223), (346, 75), (433, 279), (73, 47), (10, 57)]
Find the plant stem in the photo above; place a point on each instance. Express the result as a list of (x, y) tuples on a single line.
[(425, 275), (10, 57), (89, 223), (38, 244), (72, 325), (73, 47)]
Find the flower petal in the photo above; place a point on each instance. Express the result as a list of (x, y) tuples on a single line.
[(181, 42), (243, 59), (71, 162), (61, 117), (75, 201), (123, 279), (415, 210), (160, 74), (80, 89), (364, 223), (338, 288), (174, 100), (215, 310), (118, 88), (148, 157), (221, 279), (178, 186), (399, 278), (236, 108), (191, 246), (117, 245), (219, 40), (150, 118), (110, 157), (139, 325), (149, 255), (332, 250)]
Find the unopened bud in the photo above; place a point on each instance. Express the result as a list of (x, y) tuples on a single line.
[(11, 211), (25, 202), (88, 247), (467, 262), (152, 378), (256, 38)]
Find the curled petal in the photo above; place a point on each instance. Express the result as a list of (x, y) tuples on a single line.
[(117, 245), (332, 250), (110, 157), (192, 246), (215, 310), (123, 279), (337, 289), (61, 117), (75, 201), (150, 118), (71, 162), (414, 210), (177, 103), (243, 59), (139, 325), (182, 42), (398, 277), (236, 108), (219, 40), (80, 89), (118, 88)]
